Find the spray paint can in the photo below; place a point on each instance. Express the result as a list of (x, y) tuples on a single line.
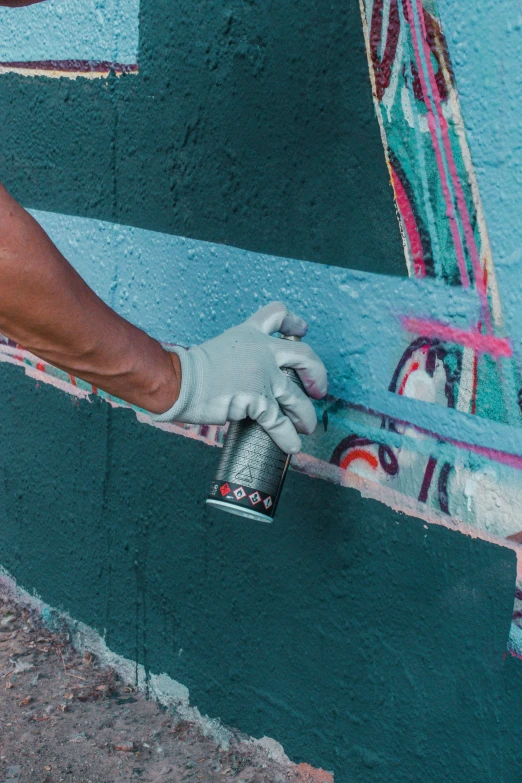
[(252, 468)]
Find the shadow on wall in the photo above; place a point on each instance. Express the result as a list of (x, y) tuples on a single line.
[(357, 637)]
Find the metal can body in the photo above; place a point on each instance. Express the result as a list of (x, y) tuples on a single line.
[(251, 470)]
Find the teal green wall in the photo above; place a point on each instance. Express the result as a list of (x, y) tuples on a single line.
[(366, 642)]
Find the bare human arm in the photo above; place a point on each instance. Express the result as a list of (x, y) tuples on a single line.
[(46, 307)]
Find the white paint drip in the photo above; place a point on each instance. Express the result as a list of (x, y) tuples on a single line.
[(466, 381), (407, 109)]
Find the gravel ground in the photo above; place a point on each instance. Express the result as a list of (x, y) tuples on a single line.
[(65, 718)]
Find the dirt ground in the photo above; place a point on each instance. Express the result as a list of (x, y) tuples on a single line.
[(65, 718)]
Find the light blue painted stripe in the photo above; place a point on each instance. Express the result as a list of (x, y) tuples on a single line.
[(71, 30), (185, 290), (444, 422)]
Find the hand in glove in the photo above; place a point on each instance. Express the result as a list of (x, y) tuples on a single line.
[(238, 375)]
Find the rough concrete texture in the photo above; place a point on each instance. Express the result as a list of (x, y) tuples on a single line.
[(356, 637), (65, 717)]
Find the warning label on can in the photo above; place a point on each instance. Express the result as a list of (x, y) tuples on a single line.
[(241, 495)]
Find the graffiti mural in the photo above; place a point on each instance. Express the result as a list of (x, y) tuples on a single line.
[(445, 237)]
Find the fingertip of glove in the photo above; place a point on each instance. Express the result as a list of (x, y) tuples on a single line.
[(314, 390), (290, 446), (296, 447)]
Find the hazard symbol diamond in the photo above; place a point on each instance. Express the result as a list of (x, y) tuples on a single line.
[(254, 498), (225, 489), (239, 493), (267, 502)]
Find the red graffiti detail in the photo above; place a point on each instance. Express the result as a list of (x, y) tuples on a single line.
[(414, 367), (410, 224), (76, 66), (439, 52), (359, 454), (426, 482), (382, 67)]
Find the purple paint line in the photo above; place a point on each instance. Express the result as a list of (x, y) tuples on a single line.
[(461, 201), (497, 347), (426, 482), (504, 457), (459, 250), (77, 66), (513, 460)]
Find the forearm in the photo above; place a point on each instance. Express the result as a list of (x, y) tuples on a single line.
[(46, 307)]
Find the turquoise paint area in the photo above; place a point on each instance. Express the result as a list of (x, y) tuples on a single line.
[(366, 642), (70, 30), (485, 44), (186, 291)]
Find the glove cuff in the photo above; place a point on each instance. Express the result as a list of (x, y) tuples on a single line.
[(177, 411)]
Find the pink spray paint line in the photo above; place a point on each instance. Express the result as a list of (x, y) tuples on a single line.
[(459, 250), (408, 217), (497, 347), (461, 201)]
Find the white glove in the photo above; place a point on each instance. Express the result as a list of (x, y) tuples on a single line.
[(238, 374)]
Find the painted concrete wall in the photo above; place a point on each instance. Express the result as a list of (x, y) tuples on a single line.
[(255, 152)]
